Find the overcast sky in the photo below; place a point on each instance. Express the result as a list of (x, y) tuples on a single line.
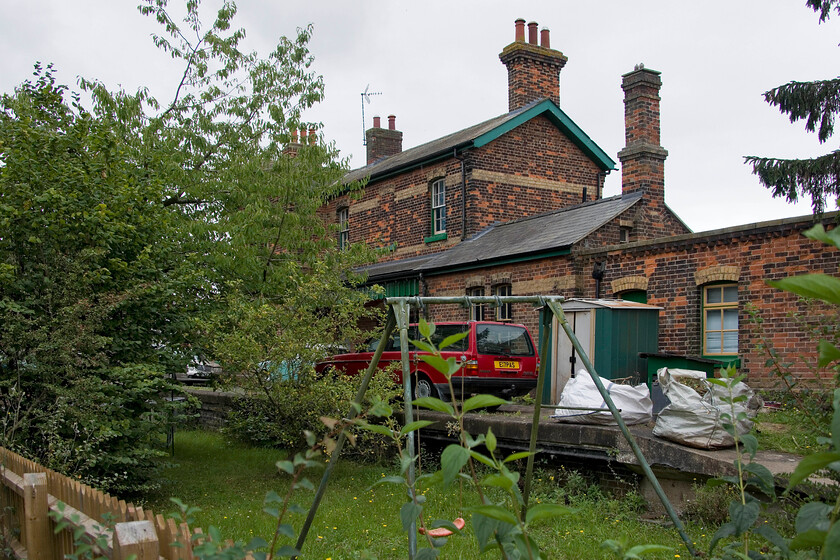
[(436, 65)]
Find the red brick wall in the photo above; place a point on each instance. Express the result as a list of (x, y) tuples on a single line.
[(530, 170), (773, 251)]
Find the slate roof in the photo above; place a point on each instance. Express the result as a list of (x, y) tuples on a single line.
[(480, 134), (552, 231)]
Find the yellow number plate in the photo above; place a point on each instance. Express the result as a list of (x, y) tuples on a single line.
[(507, 365)]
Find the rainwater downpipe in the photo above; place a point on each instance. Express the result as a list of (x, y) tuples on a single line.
[(463, 192)]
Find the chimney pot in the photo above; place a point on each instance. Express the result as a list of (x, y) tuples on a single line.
[(532, 32), (312, 136), (294, 136), (392, 122), (376, 122), (520, 30), (544, 41)]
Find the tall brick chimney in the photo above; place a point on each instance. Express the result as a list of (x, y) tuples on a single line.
[(382, 142), (643, 158), (533, 69)]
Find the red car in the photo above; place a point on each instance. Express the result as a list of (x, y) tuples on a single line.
[(498, 359)]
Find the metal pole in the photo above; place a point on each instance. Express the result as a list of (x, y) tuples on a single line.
[(535, 423), (400, 310), (360, 395), (561, 317)]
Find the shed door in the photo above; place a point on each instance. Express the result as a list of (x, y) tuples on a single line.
[(566, 361)]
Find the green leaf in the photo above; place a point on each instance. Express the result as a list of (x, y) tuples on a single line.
[(828, 353), (482, 458), (773, 537), (427, 554), (818, 286), (762, 478), (750, 443), (305, 484), (818, 233), (813, 515), (831, 549), (286, 530), (718, 382), (381, 409), (490, 441), (409, 512), (287, 551), (743, 516), (405, 461), (433, 403), (452, 339), (378, 429), (389, 480), (414, 426), (812, 538), (811, 464), (498, 481), (452, 460), (423, 346), (482, 401), (426, 329), (257, 542), (496, 512), (436, 362), (546, 511), (285, 466), (728, 529), (519, 455)]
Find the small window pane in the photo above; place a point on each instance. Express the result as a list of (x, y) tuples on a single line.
[(713, 342), (503, 312), (713, 295), (730, 319), (713, 320), (730, 293), (476, 310), (730, 342)]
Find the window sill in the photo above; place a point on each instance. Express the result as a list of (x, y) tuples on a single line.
[(725, 360), (436, 237)]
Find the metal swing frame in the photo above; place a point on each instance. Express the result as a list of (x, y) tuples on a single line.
[(398, 317)]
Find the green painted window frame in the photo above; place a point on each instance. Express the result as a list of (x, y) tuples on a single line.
[(433, 238), (723, 308)]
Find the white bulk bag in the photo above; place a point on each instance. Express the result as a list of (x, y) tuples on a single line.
[(694, 419), (580, 392)]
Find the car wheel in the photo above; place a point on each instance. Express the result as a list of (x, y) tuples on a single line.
[(424, 388)]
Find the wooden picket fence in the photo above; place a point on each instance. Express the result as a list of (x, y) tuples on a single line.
[(29, 492)]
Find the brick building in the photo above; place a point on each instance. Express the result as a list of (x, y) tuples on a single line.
[(513, 206)]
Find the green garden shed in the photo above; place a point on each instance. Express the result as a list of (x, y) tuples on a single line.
[(613, 333)]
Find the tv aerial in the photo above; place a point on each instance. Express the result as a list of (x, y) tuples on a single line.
[(366, 95)]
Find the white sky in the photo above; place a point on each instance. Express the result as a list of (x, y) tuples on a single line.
[(436, 64)]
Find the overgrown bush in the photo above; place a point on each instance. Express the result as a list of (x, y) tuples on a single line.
[(296, 407), (710, 505)]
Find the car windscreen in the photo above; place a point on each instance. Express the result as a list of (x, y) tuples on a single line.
[(503, 340)]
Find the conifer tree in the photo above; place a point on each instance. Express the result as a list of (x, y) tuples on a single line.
[(817, 103)]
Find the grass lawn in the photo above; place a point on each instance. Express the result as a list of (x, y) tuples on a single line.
[(228, 482), (791, 429)]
